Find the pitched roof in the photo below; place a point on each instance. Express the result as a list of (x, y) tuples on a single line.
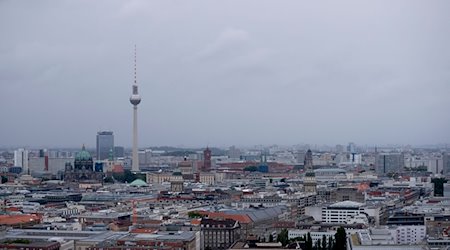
[(242, 218)]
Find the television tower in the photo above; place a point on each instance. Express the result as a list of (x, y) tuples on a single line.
[(135, 99)]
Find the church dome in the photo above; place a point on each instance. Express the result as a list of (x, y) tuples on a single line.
[(83, 155)]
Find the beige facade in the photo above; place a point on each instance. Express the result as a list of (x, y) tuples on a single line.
[(208, 178), (158, 178)]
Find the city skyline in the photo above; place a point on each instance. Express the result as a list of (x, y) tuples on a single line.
[(289, 74)]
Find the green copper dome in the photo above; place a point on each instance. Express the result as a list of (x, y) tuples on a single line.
[(83, 155)]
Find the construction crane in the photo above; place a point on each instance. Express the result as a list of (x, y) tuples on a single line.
[(136, 201)]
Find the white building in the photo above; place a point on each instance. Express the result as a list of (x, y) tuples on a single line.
[(21, 159), (393, 235), (314, 235), (340, 212), (406, 235)]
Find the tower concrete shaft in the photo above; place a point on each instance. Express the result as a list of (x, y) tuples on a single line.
[(135, 157), (135, 99)]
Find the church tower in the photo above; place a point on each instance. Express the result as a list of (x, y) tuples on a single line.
[(207, 160), (309, 180)]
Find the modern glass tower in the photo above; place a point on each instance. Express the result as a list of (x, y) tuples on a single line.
[(105, 142)]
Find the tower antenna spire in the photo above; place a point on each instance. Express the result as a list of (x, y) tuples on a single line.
[(135, 65)]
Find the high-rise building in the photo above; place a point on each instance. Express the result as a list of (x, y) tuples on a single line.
[(207, 160), (446, 164), (105, 143), (135, 99), (21, 159), (386, 163)]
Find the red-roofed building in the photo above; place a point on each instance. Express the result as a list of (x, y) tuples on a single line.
[(20, 220)]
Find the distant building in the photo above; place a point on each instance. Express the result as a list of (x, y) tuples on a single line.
[(406, 219), (207, 160), (119, 151), (386, 163), (156, 240), (340, 148), (21, 159), (30, 245), (351, 147), (158, 178), (347, 194), (447, 190), (186, 166), (50, 164), (234, 153), (207, 178), (145, 156), (315, 235), (105, 143), (308, 161), (446, 163), (176, 186), (219, 233)]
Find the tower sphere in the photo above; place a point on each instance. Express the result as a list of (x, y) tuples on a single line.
[(135, 99)]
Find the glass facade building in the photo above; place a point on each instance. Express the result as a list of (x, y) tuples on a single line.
[(105, 143)]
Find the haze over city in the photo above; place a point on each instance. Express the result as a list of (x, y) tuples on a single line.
[(225, 72)]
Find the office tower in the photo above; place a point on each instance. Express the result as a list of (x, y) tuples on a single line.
[(207, 160), (105, 143), (386, 163), (119, 151), (446, 164), (135, 99), (21, 159)]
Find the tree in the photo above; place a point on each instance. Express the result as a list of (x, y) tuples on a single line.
[(309, 242), (324, 243), (251, 169), (317, 244), (194, 214), (283, 237), (4, 179), (126, 176), (341, 239), (438, 186), (330, 244), (108, 179)]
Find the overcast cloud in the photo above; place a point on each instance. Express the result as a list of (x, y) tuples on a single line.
[(225, 72)]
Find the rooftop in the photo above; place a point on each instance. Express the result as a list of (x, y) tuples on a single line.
[(343, 204)]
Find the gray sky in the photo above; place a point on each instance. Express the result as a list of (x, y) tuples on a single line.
[(225, 72)]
